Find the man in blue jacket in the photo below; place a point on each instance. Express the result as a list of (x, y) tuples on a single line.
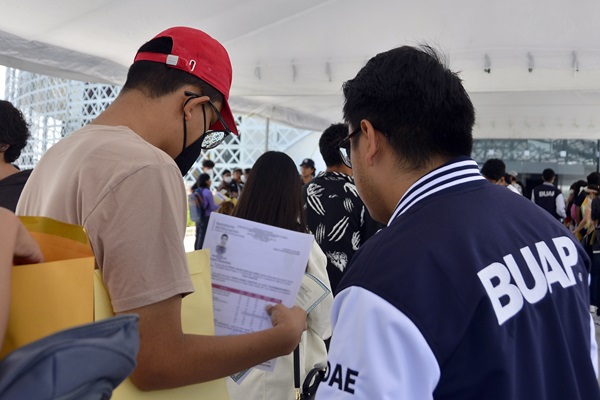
[(450, 301)]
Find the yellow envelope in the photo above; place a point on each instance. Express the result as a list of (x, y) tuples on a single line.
[(196, 318), (58, 240), (55, 295), (66, 291)]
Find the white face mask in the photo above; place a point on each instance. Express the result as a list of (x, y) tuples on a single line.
[(227, 179), (244, 178)]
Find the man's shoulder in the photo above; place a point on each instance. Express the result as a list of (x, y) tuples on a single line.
[(546, 188), (102, 140)]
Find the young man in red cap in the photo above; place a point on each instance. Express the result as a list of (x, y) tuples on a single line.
[(120, 177)]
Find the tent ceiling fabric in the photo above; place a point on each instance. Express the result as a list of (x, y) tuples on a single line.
[(290, 58)]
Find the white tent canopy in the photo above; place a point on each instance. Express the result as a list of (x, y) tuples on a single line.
[(290, 58)]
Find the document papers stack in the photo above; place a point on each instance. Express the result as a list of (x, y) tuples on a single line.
[(254, 265)]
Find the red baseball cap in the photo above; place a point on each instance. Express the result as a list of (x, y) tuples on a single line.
[(198, 54)]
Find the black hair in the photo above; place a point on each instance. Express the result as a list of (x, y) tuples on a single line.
[(247, 170), (593, 178), (225, 171), (202, 181), (494, 169), (156, 79), (273, 194), (208, 164), (410, 96), (548, 174), (577, 185), (14, 130), (329, 143)]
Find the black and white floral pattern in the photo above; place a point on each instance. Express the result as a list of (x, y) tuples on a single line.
[(338, 218)]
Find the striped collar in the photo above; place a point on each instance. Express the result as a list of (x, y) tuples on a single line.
[(457, 172)]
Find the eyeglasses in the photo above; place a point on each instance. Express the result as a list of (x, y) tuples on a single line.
[(344, 148), (211, 138)]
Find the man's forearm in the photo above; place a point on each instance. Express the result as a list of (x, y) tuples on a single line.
[(197, 359), (169, 358)]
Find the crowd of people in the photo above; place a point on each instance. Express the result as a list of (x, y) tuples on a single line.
[(436, 292)]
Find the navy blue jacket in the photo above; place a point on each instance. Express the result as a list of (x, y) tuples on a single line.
[(501, 303)]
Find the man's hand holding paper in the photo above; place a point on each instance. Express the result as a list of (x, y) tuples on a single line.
[(292, 320)]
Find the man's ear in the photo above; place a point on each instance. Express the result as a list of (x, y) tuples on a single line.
[(190, 103), (373, 141)]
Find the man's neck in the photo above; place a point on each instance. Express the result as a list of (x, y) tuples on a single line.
[(151, 119), (396, 180), (7, 169)]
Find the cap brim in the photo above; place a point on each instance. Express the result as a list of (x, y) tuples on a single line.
[(227, 116)]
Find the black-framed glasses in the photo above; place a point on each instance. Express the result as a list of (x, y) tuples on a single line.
[(344, 148), (211, 138)]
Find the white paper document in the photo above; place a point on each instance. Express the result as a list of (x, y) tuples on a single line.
[(252, 265), (312, 292)]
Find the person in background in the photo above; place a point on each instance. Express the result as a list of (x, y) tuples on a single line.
[(494, 170), (208, 167), (595, 271), (246, 174), (512, 181), (272, 196), (572, 221), (452, 300), (16, 247), (224, 187), (335, 213), (120, 177), (14, 132), (207, 207), (236, 185), (307, 170), (548, 196), (587, 223), (581, 200)]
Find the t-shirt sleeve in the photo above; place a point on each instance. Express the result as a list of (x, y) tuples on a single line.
[(137, 232)]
